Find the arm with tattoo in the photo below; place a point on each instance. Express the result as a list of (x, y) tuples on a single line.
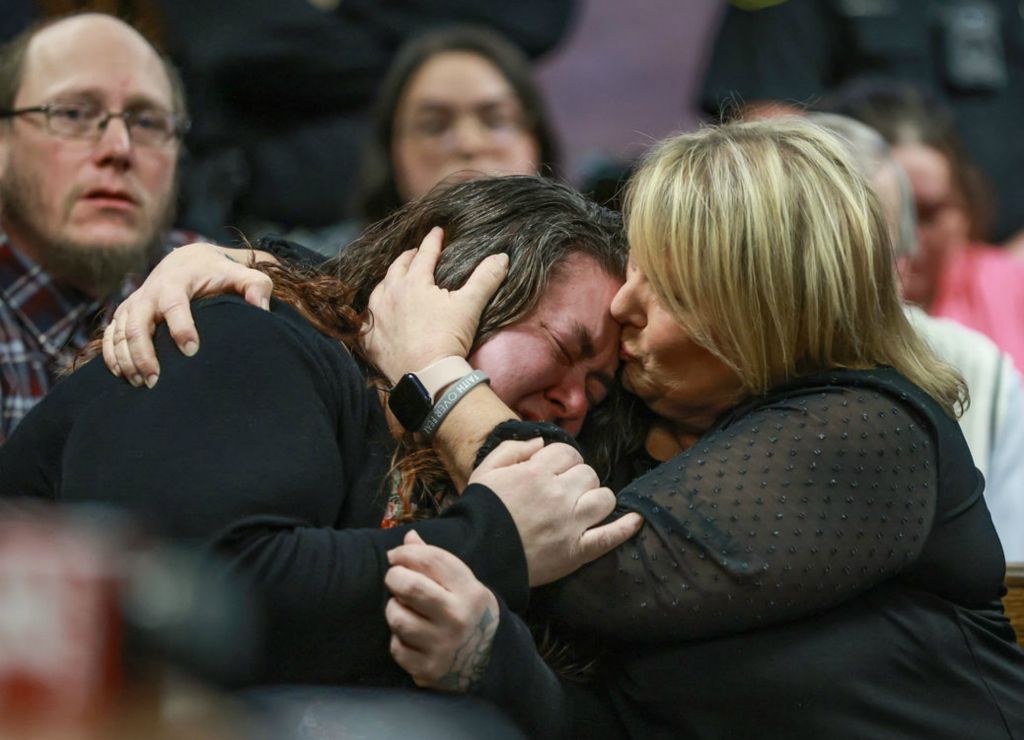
[(471, 657), (442, 619)]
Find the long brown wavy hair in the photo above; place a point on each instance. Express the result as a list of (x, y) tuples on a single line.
[(537, 222)]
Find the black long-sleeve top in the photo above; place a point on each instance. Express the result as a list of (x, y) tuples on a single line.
[(820, 564), (270, 447)]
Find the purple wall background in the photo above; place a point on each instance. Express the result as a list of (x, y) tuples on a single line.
[(626, 75)]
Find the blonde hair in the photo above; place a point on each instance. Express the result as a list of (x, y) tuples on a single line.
[(768, 246), (873, 157)]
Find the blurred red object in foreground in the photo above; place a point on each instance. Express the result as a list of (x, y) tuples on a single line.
[(59, 621)]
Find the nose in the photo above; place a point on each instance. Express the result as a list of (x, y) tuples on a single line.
[(115, 144), (569, 405), (623, 307), (470, 136)]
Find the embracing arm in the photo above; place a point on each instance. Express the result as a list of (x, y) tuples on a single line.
[(199, 270), (189, 272), (450, 633), (782, 512), (407, 338), (267, 446)]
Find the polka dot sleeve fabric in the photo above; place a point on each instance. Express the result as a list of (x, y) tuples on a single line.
[(785, 510)]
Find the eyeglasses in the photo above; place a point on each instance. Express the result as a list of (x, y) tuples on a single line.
[(150, 127), (440, 127)]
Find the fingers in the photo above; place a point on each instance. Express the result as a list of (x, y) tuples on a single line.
[(581, 477), (594, 506), (443, 568), (109, 359), (420, 599), (182, 327), (138, 346), (442, 619), (121, 353), (414, 636), (510, 453), (424, 259), (485, 280), (232, 277), (412, 661), (449, 647), (397, 271), (420, 665), (556, 458), (412, 537), (257, 291), (192, 272), (598, 541)]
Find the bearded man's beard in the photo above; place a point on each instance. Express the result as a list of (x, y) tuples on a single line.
[(93, 267)]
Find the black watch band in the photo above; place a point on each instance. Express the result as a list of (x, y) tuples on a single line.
[(410, 402)]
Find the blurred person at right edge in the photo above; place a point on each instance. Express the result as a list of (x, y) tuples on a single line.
[(967, 53), (817, 559), (952, 274), (991, 423)]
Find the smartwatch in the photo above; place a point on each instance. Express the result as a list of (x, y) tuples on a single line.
[(412, 398)]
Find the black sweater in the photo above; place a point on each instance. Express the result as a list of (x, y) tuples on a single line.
[(269, 446)]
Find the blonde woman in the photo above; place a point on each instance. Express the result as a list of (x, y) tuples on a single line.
[(817, 560)]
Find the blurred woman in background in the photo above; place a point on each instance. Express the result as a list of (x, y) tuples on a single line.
[(955, 274), (457, 103)]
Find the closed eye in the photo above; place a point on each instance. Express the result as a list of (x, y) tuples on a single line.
[(599, 386), (566, 355)]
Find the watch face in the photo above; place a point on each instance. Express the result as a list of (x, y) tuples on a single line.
[(410, 402)]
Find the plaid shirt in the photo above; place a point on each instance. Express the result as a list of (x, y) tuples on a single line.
[(43, 326)]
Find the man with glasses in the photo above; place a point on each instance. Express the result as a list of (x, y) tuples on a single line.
[(91, 120)]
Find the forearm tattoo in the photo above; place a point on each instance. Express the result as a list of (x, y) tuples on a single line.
[(471, 657)]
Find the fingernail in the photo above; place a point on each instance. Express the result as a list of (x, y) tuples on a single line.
[(151, 380), (390, 561), (191, 347), (117, 371), (265, 304), (136, 380)]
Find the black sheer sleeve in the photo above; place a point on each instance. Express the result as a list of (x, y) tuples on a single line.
[(786, 508)]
